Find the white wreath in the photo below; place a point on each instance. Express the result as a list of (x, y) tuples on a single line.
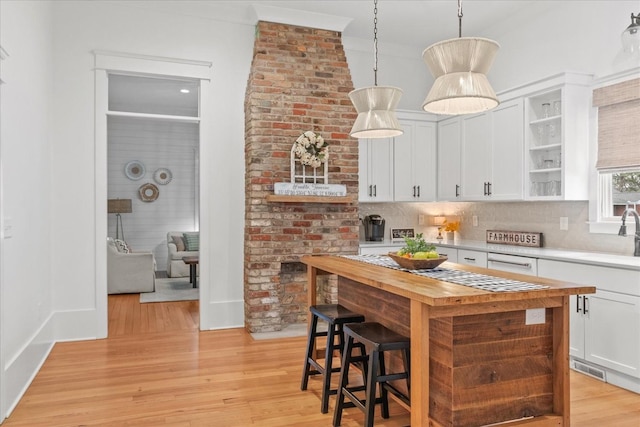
[(311, 149)]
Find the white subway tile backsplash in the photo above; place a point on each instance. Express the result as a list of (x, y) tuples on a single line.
[(541, 217)]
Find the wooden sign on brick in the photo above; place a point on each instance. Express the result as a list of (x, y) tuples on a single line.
[(515, 238)]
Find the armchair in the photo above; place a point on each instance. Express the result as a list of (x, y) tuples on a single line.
[(129, 272)]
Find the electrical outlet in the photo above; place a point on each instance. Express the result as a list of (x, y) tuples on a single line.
[(420, 219), (475, 220), (564, 223), (535, 316)]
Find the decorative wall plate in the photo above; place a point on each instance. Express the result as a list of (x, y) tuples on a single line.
[(162, 176), (134, 170), (148, 192)]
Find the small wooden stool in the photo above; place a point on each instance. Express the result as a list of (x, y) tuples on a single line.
[(377, 339), (336, 317)]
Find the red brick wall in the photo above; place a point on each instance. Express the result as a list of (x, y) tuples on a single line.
[(299, 81)]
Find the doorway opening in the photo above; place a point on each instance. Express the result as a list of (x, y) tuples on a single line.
[(153, 196)]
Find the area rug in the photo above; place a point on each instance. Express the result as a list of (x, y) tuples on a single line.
[(171, 289)]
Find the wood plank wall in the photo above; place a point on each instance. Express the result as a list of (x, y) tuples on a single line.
[(157, 144)]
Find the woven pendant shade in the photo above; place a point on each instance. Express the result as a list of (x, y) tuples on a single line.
[(460, 66), (376, 112)]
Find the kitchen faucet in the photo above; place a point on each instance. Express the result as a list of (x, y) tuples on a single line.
[(623, 229)]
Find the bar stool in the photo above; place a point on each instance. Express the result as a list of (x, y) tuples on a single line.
[(377, 339), (336, 317)]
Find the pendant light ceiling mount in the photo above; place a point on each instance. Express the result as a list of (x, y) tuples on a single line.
[(631, 36), (459, 67), (375, 105)]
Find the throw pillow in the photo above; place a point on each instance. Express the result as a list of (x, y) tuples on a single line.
[(179, 241), (192, 241), (122, 246)]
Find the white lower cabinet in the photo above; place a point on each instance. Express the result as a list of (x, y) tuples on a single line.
[(477, 258), (378, 250), (451, 253), (605, 326), (608, 331)]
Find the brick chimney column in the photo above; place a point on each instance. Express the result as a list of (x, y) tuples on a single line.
[(299, 81)]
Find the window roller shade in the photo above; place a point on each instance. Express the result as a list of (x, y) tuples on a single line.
[(618, 119)]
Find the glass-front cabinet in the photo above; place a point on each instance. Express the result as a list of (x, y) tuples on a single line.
[(557, 139)]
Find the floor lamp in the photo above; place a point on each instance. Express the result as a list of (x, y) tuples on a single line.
[(119, 206)]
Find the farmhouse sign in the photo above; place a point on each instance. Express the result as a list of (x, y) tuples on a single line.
[(515, 238)]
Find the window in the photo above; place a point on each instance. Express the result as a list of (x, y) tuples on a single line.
[(618, 151), (618, 190)]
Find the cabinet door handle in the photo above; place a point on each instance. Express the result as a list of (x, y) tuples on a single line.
[(586, 304), (488, 188), (375, 190), (457, 190), (370, 190), (414, 191), (470, 259), (418, 191), (484, 191), (578, 306)]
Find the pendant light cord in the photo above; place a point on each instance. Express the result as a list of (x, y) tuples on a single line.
[(459, 18), (375, 42)]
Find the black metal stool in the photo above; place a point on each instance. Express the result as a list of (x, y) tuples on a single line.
[(336, 316), (377, 339)]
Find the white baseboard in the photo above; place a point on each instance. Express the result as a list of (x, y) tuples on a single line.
[(222, 315), (76, 325), (22, 368)]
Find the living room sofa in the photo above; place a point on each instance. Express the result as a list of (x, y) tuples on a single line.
[(177, 249), (129, 272)]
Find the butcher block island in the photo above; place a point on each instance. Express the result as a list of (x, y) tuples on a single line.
[(478, 356)]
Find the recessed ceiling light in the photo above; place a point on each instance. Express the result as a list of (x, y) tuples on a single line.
[(185, 90)]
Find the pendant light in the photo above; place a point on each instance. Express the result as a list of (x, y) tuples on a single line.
[(459, 67), (631, 36), (375, 105)]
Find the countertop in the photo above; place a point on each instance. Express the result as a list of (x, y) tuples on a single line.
[(437, 293), (627, 262)]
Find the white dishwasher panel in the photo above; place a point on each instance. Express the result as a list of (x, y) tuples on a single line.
[(512, 263)]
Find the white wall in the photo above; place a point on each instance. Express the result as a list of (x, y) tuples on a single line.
[(572, 36), (397, 66), (157, 144), (25, 152), (84, 26)]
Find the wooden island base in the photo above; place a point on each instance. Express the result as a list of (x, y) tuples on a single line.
[(474, 361)]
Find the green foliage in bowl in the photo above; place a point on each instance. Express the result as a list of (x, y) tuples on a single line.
[(415, 244)]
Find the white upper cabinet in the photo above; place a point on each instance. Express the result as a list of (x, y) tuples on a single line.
[(415, 162), (449, 143), (492, 153), (375, 162), (476, 156), (507, 173)]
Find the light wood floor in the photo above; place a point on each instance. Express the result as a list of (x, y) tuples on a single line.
[(157, 369)]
